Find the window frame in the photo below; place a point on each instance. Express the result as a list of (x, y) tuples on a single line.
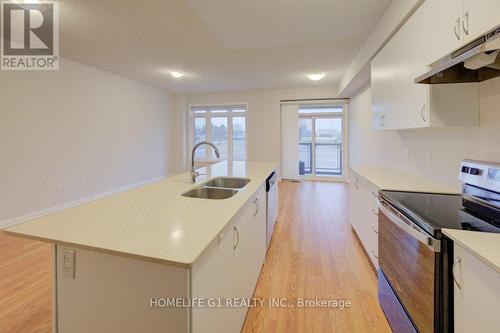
[(229, 115)]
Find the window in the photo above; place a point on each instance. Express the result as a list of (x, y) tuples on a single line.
[(224, 126)]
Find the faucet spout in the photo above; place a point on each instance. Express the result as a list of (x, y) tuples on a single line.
[(194, 174)]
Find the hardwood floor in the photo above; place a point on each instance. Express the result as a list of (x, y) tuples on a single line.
[(25, 285), (314, 254)]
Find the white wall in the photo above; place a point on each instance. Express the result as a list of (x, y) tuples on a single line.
[(358, 72), (263, 128), (447, 146), (73, 133)]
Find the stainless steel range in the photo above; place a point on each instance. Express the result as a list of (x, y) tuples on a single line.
[(416, 259)]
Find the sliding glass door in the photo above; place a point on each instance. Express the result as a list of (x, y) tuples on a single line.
[(320, 142), (313, 142)]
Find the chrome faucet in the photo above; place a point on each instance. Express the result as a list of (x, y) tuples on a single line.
[(195, 174)]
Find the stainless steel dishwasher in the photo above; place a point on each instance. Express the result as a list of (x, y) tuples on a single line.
[(271, 205)]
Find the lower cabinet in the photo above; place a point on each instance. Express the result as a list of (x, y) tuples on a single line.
[(363, 213), (476, 294), (110, 293), (229, 269)]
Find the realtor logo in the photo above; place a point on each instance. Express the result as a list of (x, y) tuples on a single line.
[(29, 35)]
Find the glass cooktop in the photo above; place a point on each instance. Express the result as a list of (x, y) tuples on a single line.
[(436, 211)]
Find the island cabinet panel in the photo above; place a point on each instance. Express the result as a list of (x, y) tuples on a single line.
[(112, 293), (229, 269)]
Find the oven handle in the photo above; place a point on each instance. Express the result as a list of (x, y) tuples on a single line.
[(409, 227)]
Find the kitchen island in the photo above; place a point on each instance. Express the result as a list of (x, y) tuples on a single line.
[(119, 260)]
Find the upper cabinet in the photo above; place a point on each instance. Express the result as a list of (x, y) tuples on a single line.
[(434, 30), (479, 17)]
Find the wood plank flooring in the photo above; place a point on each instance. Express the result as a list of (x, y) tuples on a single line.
[(25, 285), (314, 254)]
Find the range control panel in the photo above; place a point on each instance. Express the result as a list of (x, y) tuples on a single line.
[(481, 174)]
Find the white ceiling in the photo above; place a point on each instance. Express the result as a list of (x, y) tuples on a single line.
[(221, 45)]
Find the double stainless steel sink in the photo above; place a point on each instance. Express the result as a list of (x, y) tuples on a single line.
[(217, 188)]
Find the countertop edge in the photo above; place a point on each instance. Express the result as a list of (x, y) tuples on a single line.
[(185, 262), (471, 250), (445, 189), (100, 250)]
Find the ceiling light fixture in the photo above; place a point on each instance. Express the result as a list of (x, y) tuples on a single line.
[(176, 74), (316, 76)]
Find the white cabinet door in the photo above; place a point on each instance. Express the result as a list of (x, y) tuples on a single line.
[(477, 300), (363, 215), (354, 202), (480, 16), (213, 276), (396, 100), (251, 250), (229, 268), (442, 31)]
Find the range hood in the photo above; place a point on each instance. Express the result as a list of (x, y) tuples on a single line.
[(475, 62)]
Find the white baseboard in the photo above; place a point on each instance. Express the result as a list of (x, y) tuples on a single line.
[(51, 210)]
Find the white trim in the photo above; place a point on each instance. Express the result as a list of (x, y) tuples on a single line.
[(212, 105), (55, 209), (331, 102)]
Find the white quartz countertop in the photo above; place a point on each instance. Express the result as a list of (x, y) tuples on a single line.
[(483, 245), (153, 222), (398, 180)]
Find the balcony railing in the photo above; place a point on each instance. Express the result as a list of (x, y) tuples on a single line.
[(328, 159)]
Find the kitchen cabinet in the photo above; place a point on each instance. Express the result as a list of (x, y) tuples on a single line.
[(400, 103), (112, 293), (476, 293), (364, 214), (450, 24), (441, 28), (479, 17), (229, 268)]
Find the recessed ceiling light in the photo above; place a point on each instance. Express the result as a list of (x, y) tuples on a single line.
[(316, 76), (177, 74)]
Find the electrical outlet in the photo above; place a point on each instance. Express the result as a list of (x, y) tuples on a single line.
[(69, 263)]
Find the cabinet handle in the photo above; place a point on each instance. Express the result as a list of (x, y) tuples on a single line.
[(422, 113), (455, 263), (456, 28), (465, 23), (257, 206), (382, 122), (237, 237)]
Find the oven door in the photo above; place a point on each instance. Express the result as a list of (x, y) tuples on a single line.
[(407, 258)]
